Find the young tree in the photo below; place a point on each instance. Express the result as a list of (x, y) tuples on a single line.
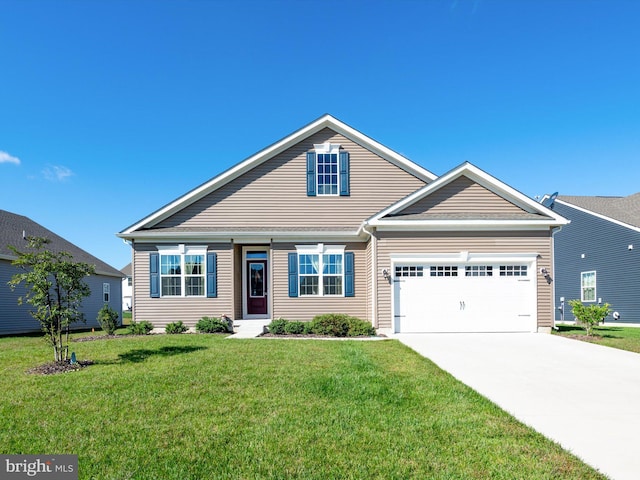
[(55, 289), (589, 315)]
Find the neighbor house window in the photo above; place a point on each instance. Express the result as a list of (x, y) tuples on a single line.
[(588, 286), (321, 270), (182, 271), (106, 292)]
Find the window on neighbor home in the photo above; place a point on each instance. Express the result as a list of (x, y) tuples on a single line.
[(129, 281), (106, 292), (182, 274), (321, 270), (588, 286)]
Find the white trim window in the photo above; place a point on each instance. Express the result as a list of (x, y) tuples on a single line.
[(588, 286), (182, 271), (321, 270), (106, 292), (327, 169)]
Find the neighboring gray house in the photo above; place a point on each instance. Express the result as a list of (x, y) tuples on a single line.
[(105, 285), (597, 256)]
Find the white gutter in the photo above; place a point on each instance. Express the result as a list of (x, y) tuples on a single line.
[(553, 266)]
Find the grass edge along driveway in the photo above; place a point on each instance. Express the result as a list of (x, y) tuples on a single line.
[(201, 406)]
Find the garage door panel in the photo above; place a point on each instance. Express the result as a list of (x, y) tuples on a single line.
[(486, 298)]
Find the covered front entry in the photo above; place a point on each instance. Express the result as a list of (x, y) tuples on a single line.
[(255, 289), (478, 295)]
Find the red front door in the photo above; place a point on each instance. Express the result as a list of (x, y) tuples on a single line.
[(256, 287)]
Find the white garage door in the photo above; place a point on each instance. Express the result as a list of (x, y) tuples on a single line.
[(463, 297)]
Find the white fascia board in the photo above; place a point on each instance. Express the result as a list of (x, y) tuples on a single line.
[(245, 237), (463, 257), (271, 151), (598, 215), (464, 225)]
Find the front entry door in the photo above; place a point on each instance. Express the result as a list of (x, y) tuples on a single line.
[(256, 287)]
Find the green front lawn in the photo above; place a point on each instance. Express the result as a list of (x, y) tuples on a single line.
[(204, 407), (624, 338)]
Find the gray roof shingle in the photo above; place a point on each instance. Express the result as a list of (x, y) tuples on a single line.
[(14, 227), (622, 209)]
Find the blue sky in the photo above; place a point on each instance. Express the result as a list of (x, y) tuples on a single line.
[(110, 109)]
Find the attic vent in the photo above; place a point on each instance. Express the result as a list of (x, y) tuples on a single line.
[(24, 235)]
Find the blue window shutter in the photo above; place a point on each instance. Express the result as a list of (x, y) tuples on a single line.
[(344, 174), (154, 275), (212, 274), (293, 274), (311, 174), (349, 290)]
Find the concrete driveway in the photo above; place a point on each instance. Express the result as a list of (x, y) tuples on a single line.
[(585, 397)]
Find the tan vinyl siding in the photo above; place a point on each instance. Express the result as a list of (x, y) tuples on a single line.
[(462, 195), (474, 242), (161, 311), (274, 193), (305, 308)]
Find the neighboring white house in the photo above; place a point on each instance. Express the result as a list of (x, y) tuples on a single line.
[(127, 288)]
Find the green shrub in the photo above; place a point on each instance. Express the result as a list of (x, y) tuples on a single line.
[(214, 325), (294, 328), (332, 324), (175, 327), (308, 328), (108, 319), (360, 328), (588, 316), (277, 327), (140, 328)]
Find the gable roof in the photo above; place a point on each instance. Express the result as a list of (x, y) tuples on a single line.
[(126, 270), (14, 228), (325, 121), (622, 210), (524, 212)]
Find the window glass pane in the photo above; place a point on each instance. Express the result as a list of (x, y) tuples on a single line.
[(256, 280), (170, 264), (332, 264), (309, 264), (309, 285), (193, 264), (444, 271), (194, 286), (256, 255), (171, 286), (332, 285), (327, 173)]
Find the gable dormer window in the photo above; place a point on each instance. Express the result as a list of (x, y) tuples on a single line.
[(327, 171)]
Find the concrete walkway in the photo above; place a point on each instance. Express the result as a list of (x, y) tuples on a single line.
[(248, 328), (585, 397)]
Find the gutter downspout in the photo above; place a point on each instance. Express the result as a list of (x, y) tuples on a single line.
[(374, 276), (553, 266), (133, 283)]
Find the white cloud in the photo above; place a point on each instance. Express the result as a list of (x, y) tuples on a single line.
[(6, 158), (57, 173)]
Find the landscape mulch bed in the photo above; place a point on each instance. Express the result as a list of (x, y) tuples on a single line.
[(59, 367)]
